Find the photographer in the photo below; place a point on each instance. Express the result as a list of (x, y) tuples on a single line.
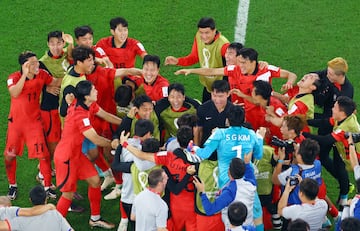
[(311, 209)]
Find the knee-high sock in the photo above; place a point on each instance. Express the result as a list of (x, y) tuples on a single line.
[(63, 205), (45, 169), (94, 195), (10, 166)]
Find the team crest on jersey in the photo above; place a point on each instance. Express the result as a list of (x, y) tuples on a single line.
[(86, 122)]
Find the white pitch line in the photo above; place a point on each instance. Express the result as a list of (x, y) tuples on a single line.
[(241, 21)]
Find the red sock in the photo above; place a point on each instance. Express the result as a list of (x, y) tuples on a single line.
[(334, 212), (101, 162), (118, 177), (122, 211), (94, 195), (10, 166), (45, 169), (63, 205)]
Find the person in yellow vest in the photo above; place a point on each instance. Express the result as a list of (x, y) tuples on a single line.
[(208, 50)]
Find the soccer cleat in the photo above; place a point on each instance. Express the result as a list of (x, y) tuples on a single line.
[(51, 193), (75, 208), (276, 221), (115, 193), (12, 192), (108, 180), (41, 181), (78, 196), (101, 224), (123, 226)]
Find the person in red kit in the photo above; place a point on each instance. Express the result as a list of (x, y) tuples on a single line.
[(70, 163), (25, 88)]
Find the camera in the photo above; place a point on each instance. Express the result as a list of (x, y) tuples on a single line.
[(287, 144), (355, 136), (293, 180)]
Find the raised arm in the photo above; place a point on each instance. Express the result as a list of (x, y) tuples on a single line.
[(201, 71)]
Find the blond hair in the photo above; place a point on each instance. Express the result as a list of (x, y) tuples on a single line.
[(339, 65)]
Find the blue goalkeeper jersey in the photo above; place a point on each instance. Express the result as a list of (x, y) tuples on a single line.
[(229, 143)]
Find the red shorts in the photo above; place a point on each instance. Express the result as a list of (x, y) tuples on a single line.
[(182, 209), (52, 125), (205, 223), (31, 134), (69, 172)]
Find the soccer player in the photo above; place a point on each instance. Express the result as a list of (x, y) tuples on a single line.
[(208, 50), (70, 163), (149, 211), (25, 88), (84, 36), (155, 85), (121, 49)]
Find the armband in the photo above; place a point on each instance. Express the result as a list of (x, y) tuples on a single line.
[(280, 161), (125, 144)]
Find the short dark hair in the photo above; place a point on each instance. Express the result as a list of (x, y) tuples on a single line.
[(177, 87), (237, 213), (346, 105), (123, 95), (184, 135), (308, 150), (80, 53), (152, 58), (236, 115), (296, 122), (249, 53), (298, 225), (38, 195), (55, 34), (220, 86), (24, 56), (82, 31), (236, 46), (150, 145), (237, 168), (142, 127), (263, 89), (114, 22), (350, 224), (82, 89), (140, 100), (206, 22), (187, 120), (154, 177), (310, 188)]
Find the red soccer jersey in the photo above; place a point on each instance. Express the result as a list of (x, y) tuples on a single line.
[(77, 121), (158, 89), (125, 56), (25, 107), (233, 73)]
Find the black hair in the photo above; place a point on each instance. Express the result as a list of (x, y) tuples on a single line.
[(82, 89), (237, 213), (38, 195), (184, 135), (236, 115), (237, 168), (206, 22), (220, 86), (346, 105), (236, 46), (154, 177), (81, 53), (55, 34), (298, 225), (187, 119), (249, 53), (140, 100), (263, 89), (142, 127), (308, 150), (177, 87), (24, 56), (310, 188), (350, 224), (82, 31), (114, 22), (152, 58), (123, 95), (150, 145)]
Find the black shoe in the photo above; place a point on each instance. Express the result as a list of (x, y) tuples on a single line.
[(12, 192), (75, 208), (51, 193)]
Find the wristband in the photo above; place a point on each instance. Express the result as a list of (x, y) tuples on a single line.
[(280, 161), (125, 144)]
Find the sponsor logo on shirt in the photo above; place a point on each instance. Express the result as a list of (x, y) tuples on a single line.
[(86, 122)]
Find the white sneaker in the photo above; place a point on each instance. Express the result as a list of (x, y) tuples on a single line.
[(115, 193), (122, 226), (108, 180)]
